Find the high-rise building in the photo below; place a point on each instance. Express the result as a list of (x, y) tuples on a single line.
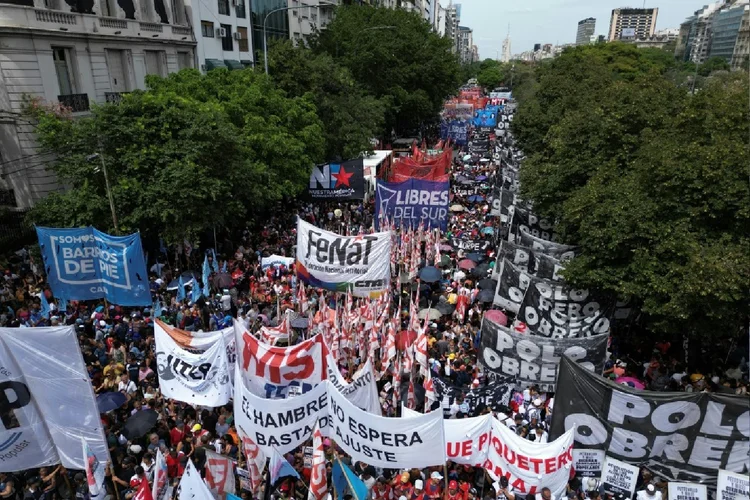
[(742, 46), (75, 54), (223, 32), (309, 16), (694, 38), (465, 44), (586, 28), (725, 28), (629, 24), (277, 25)]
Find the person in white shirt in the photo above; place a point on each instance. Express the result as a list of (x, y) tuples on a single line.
[(226, 301), (126, 385), (650, 493)]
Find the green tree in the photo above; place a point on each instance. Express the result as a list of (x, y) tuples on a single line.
[(649, 181), (351, 118), (395, 56), (713, 64), (192, 153), (491, 74)]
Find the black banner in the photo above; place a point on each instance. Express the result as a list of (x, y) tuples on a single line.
[(524, 360), (532, 261), (523, 218), (556, 250), (511, 286), (558, 311), (338, 181), (681, 436), (470, 245), (493, 396)]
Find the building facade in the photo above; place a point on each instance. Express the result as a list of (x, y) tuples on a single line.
[(308, 17), (586, 29), (628, 23), (741, 56), (716, 30), (223, 31), (277, 25), (91, 52), (465, 44), (725, 29)]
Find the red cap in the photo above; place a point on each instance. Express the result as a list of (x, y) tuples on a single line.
[(453, 485)]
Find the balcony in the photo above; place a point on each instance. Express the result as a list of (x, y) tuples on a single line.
[(114, 97), (76, 102), (46, 20)]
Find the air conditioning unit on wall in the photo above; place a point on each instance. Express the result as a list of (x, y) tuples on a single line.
[(237, 35), (221, 32)]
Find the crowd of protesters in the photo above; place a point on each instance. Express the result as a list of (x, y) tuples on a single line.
[(118, 348)]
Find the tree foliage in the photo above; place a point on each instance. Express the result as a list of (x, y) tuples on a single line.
[(648, 180), (192, 153), (395, 56), (351, 117)]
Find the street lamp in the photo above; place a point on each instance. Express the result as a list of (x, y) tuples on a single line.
[(265, 38), (93, 157)]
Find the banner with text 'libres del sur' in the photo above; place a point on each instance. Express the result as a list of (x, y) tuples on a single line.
[(412, 202), (338, 263), (48, 405), (86, 264), (679, 435), (523, 360)]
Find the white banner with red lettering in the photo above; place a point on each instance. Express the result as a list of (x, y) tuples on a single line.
[(528, 465), (256, 461), (318, 478), (219, 474), (466, 439), (278, 372)]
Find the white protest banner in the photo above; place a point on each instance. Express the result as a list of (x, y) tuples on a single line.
[(466, 439), (276, 261), (318, 478), (732, 486), (619, 478), (196, 378), (588, 463), (94, 472), (362, 391), (160, 488), (283, 424), (201, 341), (338, 263), (270, 371), (394, 443), (528, 465), (191, 485), (256, 461), (47, 401), (688, 491), (219, 474)]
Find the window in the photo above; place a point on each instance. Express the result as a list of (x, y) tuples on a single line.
[(65, 76), (119, 65), (207, 29), (184, 60), (226, 42), (243, 42), (223, 7), (240, 9), (178, 12), (155, 62)]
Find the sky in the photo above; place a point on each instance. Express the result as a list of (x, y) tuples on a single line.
[(553, 21)]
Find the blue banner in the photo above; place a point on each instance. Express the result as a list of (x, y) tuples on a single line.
[(455, 130), (485, 118), (410, 202), (86, 264)]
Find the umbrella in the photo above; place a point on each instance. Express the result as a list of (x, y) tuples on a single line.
[(459, 275), (467, 157), (466, 182), (431, 314), (222, 280), (187, 277), (631, 382), (467, 264), (446, 248), (487, 284), (445, 261), (461, 178), (480, 271), (108, 401), (496, 316), (139, 424), (405, 338), (476, 198), (486, 296), (476, 257), (457, 208), (445, 308), (482, 178), (430, 274), (488, 230), (300, 323)]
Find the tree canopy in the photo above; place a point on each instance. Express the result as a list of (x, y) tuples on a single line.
[(192, 153), (648, 180), (396, 57)]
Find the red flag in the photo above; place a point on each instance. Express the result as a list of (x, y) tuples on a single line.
[(144, 491)]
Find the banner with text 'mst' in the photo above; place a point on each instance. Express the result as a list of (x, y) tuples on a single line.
[(679, 435), (339, 263), (47, 402), (86, 264), (412, 202), (273, 372), (528, 465), (393, 443)]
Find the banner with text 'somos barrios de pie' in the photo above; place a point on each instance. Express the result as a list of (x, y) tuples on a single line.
[(86, 264), (339, 263)]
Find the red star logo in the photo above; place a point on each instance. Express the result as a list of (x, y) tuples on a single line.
[(342, 178)]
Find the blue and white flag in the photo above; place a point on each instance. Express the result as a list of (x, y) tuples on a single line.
[(86, 264), (214, 262), (46, 310), (196, 291), (346, 482), (158, 311), (206, 275), (180, 289), (279, 467)]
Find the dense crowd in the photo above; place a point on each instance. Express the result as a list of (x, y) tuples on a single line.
[(118, 348)]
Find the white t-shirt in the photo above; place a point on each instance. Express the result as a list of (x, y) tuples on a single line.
[(226, 302), (128, 388), (643, 495)]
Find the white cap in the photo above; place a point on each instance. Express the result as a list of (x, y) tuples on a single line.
[(102, 323), (402, 497), (537, 402), (418, 484), (651, 489), (436, 475)]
